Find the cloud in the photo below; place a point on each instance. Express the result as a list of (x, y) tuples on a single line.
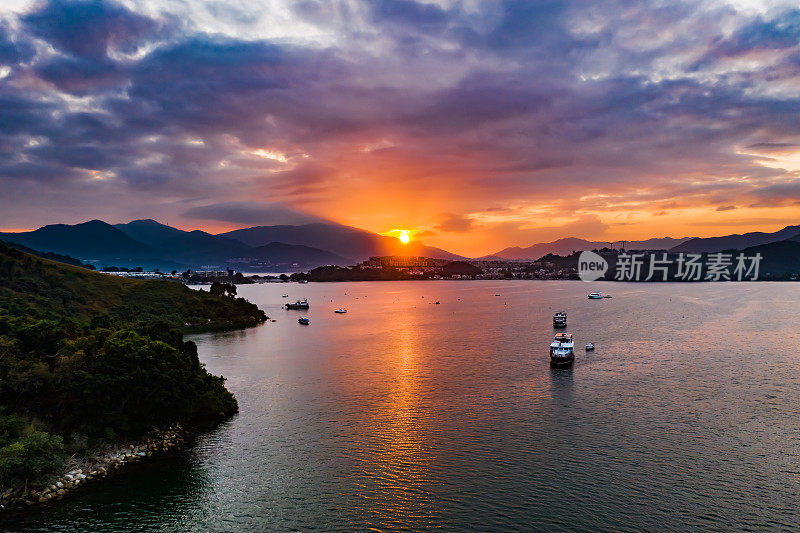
[(726, 208), (456, 224), (564, 109), (89, 28), (250, 213)]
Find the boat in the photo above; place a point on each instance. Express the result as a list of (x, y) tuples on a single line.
[(285, 295), (304, 281), (562, 351), (596, 295), (437, 302), (607, 296), (299, 304), (589, 346), (303, 320), (560, 320), (340, 311)]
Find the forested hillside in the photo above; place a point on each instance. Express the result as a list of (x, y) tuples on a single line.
[(88, 358)]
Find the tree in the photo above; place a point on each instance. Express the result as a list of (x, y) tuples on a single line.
[(31, 459)]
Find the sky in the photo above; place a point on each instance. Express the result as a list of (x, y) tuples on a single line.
[(474, 125)]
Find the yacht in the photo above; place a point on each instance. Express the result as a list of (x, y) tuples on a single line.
[(596, 295), (340, 311), (562, 351), (303, 320), (560, 320), (299, 304)]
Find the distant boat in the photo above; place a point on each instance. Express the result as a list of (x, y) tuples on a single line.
[(589, 346), (303, 281), (595, 295), (303, 320), (299, 304), (607, 296), (285, 295), (560, 320), (437, 302), (340, 311), (562, 351)]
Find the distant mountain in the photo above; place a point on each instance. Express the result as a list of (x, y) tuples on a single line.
[(282, 256), (569, 244), (344, 241), (735, 242), (150, 244), (94, 241), (779, 259), (185, 247)]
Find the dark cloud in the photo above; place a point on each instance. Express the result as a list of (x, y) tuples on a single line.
[(88, 28), (456, 224), (505, 104), (249, 213)]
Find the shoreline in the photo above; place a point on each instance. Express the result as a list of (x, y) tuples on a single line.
[(94, 467)]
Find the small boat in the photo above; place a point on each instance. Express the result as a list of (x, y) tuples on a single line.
[(285, 295), (589, 346), (607, 296), (562, 351), (303, 320), (340, 311), (437, 302), (299, 304), (303, 281), (560, 320), (596, 295)]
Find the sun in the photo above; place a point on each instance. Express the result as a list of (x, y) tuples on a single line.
[(404, 237)]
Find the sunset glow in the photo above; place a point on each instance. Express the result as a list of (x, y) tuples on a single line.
[(674, 123)]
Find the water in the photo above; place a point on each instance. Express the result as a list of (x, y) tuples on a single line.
[(406, 415)]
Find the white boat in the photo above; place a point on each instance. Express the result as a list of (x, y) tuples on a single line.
[(304, 321), (562, 350), (596, 295), (589, 346), (560, 320), (340, 311), (285, 295)]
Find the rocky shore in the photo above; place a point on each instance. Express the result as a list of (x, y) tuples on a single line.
[(83, 470)]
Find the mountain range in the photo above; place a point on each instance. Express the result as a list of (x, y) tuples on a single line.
[(280, 248), (735, 242), (570, 244), (150, 244)]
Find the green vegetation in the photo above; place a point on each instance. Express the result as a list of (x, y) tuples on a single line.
[(88, 358), (337, 273)]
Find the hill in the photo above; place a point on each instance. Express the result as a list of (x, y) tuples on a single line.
[(191, 248), (736, 241), (48, 255), (779, 259), (152, 245), (30, 286), (345, 241), (288, 257), (93, 241), (567, 245), (87, 359)]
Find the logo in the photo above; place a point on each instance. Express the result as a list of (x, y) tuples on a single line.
[(591, 266)]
